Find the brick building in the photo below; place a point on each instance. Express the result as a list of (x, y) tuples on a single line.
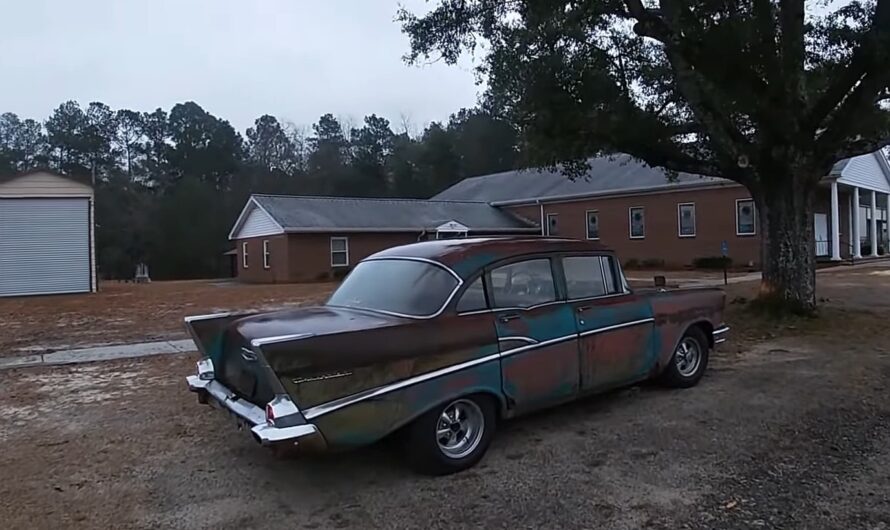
[(620, 202), (283, 239)]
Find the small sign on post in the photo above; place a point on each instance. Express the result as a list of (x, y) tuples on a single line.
[(724, 251)]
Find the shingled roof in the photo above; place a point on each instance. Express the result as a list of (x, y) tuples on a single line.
[(607, 175), (354, 214)]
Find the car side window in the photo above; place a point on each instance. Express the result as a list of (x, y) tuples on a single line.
[(473, 298), (584, 276), (523, 284)]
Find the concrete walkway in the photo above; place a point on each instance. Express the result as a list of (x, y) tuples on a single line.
[(102, 353)]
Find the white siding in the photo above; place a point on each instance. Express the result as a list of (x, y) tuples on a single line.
[(258, 223), (45, 246), (43, 184), (865, 172)]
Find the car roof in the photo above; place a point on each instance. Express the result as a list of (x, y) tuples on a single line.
[(466, 256)]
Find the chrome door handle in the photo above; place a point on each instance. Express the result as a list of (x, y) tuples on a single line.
[(582, 308), (508, 318)]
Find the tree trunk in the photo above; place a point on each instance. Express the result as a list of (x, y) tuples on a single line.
[(788, 252)]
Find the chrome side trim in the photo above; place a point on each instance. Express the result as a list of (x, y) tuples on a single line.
[(541, 344), (497, 309), (721, 330), (259, 343), (337, 404), (617, 326), (719, 341), (594, 298), (196, 318), (528, 340)]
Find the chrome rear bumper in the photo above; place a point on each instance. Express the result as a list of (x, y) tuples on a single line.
[(720, 334), (302, 436)]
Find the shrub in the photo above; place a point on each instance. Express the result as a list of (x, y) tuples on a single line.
[(652, 263), (712, 262), (341, 272)]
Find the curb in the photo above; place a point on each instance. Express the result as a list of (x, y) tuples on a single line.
[(102, 353)]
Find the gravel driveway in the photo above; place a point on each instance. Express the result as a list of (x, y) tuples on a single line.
[(792, 435), (785, 432)]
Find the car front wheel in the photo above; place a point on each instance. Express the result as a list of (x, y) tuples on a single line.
[(453, 436), (690, 360)]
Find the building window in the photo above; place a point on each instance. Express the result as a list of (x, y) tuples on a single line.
[(745, 217), (244, 254), (339, 251), (686, 219), (266, 254), (637, 215), (552, 224), (593, 224)]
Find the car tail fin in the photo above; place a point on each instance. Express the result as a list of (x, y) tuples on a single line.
[(207, 330)]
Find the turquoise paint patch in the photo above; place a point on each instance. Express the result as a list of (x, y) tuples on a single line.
[(474, 263)]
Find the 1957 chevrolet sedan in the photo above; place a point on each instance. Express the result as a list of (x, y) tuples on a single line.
[(440, 340)]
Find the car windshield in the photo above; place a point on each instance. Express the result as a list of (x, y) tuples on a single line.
[(407, 287)]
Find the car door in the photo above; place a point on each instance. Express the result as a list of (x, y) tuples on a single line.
[(615, 326), (536, 333)]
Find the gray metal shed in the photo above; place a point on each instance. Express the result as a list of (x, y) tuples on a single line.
[(46, 235)]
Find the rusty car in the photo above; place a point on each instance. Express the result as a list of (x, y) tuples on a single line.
[(440, 340)]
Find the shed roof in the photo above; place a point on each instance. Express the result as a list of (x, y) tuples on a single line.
[(353, 214), (619, 173)]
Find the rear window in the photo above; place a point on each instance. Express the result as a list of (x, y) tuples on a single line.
[(401, 286)]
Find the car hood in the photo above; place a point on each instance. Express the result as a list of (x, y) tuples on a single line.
[(320, 320)]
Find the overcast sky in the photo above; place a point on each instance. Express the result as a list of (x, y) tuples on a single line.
[(239, 59)]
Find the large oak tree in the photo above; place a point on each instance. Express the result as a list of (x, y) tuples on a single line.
[(768, 93)]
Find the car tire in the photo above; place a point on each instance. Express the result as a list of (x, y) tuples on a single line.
[(689, 361), (451, 437)]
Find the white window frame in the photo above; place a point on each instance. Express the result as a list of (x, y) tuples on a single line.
[(345, 251), (630, 222), (679, 220), (754, 210), (244, 255), (587, 224), (266, 255), (556, 216)]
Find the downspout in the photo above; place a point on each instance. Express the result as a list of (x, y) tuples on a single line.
[(541, 205)]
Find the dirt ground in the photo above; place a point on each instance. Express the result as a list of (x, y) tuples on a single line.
[(125, 312), (790, 428)]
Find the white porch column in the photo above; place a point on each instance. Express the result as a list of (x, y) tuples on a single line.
[(874, 223), (835, 224), (857, 244), (850, 232)]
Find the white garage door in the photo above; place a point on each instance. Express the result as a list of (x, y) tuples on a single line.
[(44, 246)]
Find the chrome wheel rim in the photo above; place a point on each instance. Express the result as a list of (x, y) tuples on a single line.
[(688, 357), (459, 429)]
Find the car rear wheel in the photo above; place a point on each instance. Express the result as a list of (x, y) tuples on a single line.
[(451, 437), (690, 360)]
